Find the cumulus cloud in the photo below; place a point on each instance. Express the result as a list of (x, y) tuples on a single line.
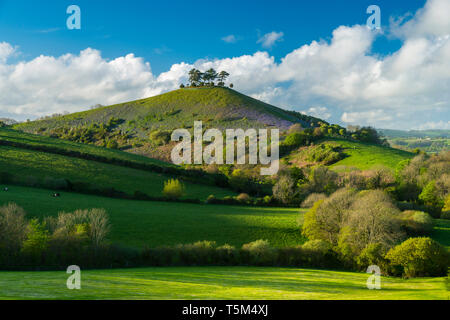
[(269, 39), (46, 84), (340, 80), (6, 50), (318, 112)]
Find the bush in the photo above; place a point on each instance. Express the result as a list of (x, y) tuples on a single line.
[(419, 257), (373, 254), (211, 199), (112, 144), (317, 245), (312, 199), (417, 222), (173, 189), (430, 196), (37, 239), (446, 210), (260, 252), (285, 190), (13, 227), (295, 139), (243, 197)]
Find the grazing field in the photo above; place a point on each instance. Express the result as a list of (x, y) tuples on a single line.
[(216, 283), (35, 141), (365, 156), (31, 165), (151, 223), (441, 232)]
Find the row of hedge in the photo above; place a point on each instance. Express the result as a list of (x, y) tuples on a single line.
[(413, 258), (193, 175)]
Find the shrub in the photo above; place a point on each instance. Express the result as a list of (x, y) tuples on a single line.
[(211, 199), (160, 137), (173, 189), (418, 257), (372, 254), (446, 210), (37, 239), (260, 252), (445, 215), (13, 227), (417, 222), (243, 197), (430, 197), (285, 190), (313, 198), (112, 144), (295, 139), (317, 245)]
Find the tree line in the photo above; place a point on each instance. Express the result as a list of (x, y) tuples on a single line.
[(207, 78)]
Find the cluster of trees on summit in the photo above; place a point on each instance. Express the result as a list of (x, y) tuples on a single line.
[(207, 78)]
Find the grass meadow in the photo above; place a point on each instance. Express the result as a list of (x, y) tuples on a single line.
[(30, 163), (365, 156), (151, 223), (234, 283)]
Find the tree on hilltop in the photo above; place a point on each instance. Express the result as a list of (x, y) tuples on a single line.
[(222, 76)]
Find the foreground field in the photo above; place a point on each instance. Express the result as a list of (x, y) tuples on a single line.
[(150, 223), (216, 283)]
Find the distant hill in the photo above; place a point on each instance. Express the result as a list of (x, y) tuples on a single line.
[(430, 141), (389, 133)]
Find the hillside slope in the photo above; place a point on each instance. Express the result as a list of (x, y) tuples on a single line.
[(144, 126), (218, 107), (355, 154), (33, 160)]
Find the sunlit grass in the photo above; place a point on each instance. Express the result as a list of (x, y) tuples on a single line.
[(216, 283), (151, 223)]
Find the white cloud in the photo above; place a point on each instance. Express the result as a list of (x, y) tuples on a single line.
[(365, 117), (431, 20), (46, 84), (318, 112), (406, 89), (230, 39), (6, 50), (269, 39)]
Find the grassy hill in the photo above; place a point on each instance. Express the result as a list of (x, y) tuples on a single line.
[(144, 126), (219, 107), (229, 283)]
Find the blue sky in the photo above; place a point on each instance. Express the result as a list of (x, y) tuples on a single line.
[(322, 59), (167, 32)]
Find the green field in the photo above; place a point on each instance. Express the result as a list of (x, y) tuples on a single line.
[(151, 223), (33, 140), (216, 283), (31, 165), (365, 156)]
